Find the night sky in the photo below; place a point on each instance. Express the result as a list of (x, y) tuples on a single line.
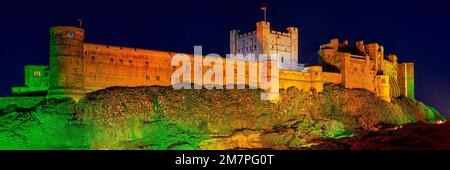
[(415, 31)]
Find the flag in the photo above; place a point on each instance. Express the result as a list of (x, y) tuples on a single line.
[(263, 8)]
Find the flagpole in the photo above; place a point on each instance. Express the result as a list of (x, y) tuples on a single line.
[(81, 22), (265, 16), (264, 8)]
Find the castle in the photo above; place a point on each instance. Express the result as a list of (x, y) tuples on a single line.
[(77, 67)]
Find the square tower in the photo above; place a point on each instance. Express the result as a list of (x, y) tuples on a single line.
[(406, 79), (266, 41)]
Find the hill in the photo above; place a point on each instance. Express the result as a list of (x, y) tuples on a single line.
[(164, 118)]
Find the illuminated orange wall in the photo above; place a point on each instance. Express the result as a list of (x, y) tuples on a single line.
[(334, 78), (107, 66), (356, 73)]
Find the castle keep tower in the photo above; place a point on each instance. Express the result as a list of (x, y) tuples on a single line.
[(66, 62), (266, 41)]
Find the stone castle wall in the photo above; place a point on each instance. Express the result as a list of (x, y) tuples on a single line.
[(107, 66), (312, 80), (334, 78), (356, 73)]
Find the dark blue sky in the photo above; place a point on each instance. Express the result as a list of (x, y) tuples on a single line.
[(415, 31)]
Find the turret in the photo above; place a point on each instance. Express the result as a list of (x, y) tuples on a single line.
[(294, 46), (345, 69), (382, 87), (316, 78), (360, 46), (334, 43), (66, 62), (263, 37), (376, 53), (233, 41), (393, 58)]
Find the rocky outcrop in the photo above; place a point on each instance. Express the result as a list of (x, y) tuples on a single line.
[(238, 119), (164, 118)]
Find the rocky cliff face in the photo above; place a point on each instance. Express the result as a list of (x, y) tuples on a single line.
[(238, 119), (164, 118)]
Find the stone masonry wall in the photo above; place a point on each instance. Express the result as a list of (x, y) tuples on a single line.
[(107, 66)]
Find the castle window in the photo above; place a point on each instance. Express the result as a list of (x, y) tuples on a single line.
[(146, 63), (59, 35), (121, 61), (93, 58), (282, 59), (147, 77), (37, 73), (174, 67), (157, 78), (130, 62), (383, 81)]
